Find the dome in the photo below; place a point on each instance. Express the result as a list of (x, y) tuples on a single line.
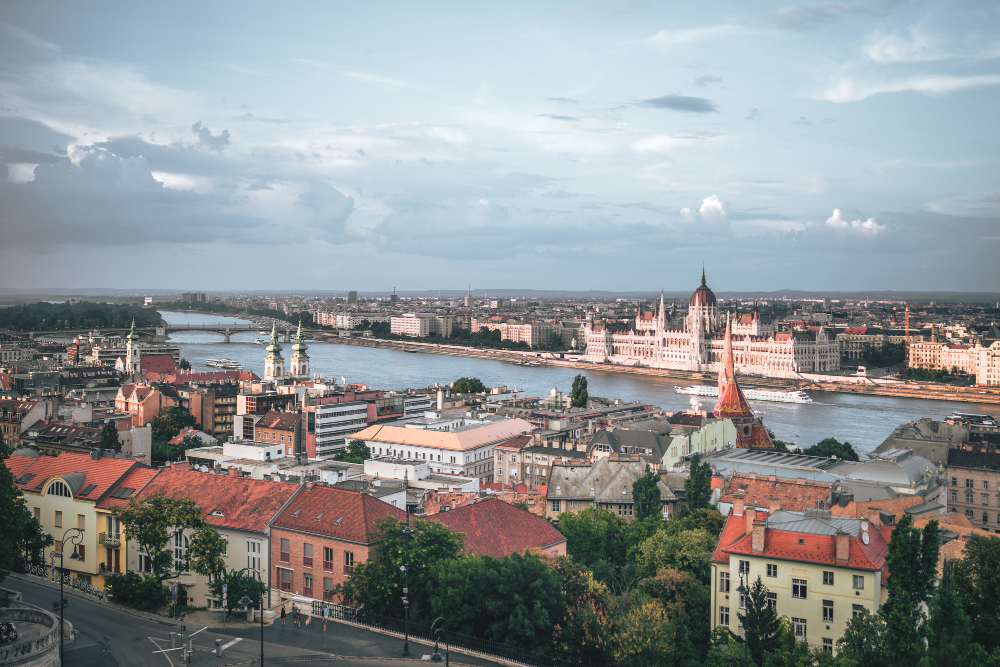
[(703, 296)]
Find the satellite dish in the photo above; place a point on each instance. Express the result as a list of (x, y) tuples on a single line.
[(864, 537), (864, 525)]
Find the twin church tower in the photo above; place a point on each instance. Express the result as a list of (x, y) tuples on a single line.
[(274, 364)]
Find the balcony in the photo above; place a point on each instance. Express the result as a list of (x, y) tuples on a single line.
[(105, 568), (110, 539), (307, 561), (285, 557), (307, 591), (285, 585), (328, 565), (348, 570)]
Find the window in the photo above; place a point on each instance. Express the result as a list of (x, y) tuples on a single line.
[(969, 496), (348, 562), (556, 506), (284, 579), (954, 481), (828, 611), (57, 488), (954, 496), (225, 544), (328, 559), (827, 578), (145, 563), (58, 519), (986, 517), (253, 554), (723, 582), (772, 600), (772, 570), (986, 485), (81, 551), (986, 499), (799, 587), (799, 625), (327, 588), (307, 585), (744, 567), (969, 513), (857, 609), (81, 521), (968, 483), (180, 552), (859, 582), (285, 550), (827, 645), (38, 514), (307, 555), (724, 616)]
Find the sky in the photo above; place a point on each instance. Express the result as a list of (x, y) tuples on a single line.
[(561, 145)]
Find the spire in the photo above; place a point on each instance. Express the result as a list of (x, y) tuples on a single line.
[(275, 347), (703, 274), (300, 346), (132, 335)]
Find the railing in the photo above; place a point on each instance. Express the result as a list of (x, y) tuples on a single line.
[(110, 539), (348, 569), (477, 644), (328, 565), (285, 557), (106, 568), (307, 561), (307, 591), (285, 585)]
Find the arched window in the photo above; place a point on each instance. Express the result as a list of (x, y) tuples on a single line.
[(57, 488)]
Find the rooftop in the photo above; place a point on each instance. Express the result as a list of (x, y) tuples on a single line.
[(522, 530)]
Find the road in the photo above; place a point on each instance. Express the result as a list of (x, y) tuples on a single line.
[(139, 641)]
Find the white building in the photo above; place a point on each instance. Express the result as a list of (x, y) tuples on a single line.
[(421, 325), (335, 423)]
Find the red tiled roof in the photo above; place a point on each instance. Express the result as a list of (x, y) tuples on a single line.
[(244, 503), (103, 473), (870, 508), (495, 528), (792, 495), (157, 363), (136, 479), (732, 402), (16, 463), (283, 421), (338, 513)]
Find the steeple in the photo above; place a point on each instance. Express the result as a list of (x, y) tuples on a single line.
[(132, 335), (703, 274), (274, 364), (299, 367)]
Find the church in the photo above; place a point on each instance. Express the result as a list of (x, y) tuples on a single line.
[(698, 344)]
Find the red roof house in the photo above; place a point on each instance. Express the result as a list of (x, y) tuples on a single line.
[(495, 528)]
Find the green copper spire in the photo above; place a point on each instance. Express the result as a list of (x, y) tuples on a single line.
[(132, 335), (300, 345), (275, 347)]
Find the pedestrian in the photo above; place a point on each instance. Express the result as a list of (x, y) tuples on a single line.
[(295, 615), (283, 614)]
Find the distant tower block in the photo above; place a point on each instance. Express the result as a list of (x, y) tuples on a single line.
[(352, 296), (468, 297), (274, 364), (393, 298), (299, 362)]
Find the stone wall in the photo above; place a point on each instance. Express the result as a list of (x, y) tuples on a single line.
[(36, 651)]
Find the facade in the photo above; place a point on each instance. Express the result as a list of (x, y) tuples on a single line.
[(143, 402), (522, 460), (606, 483), (213, 407), (318, 538), (278, 427), (820, 569), (336, 422), (17, 415), (421, 325), (973, 475), (854, 342), (698, 344)]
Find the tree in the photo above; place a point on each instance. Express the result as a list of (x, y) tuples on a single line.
[(688, 605), (976, 577), (581, 636), (594, 535), (698, 485), (377, 584), (645, 637), (762, 627), (863, 641), (109, 437), (156, 521), (646, 495), (466, 385), (169, 422), (949, 628), (15, 520), (828, 447), (357, 451), (144, 592), (912, 564), (184, 364), (238, 585), (686, 550), (578, 396)]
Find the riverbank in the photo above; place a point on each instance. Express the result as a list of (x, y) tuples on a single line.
[(902, 390)]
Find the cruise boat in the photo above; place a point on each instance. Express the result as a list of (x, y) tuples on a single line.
[(224, 363), (752, 393), (260, 341)]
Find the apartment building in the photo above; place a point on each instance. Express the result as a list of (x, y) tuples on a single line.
[(973, 474), (605, 483), (820, 570), (421, 325), (336, 423)]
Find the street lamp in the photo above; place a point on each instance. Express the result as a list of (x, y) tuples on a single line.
[(743, 590), (406, 589), (74, 539), (246, 601), (437, 627)]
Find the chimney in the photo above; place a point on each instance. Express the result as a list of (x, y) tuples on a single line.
[(757, 539), (843, 544), (95, 454), (748, 518), (738, 504), (440, 399), (234, 471), (773, 505)]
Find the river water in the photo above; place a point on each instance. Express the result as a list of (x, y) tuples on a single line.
[(865, 421)]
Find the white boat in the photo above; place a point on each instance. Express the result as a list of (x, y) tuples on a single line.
[(752, 393), (224, 363), (260, 341)]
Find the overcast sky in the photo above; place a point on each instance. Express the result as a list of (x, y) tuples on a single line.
[(593, 145)]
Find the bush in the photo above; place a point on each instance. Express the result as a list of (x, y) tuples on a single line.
[(7, 633), (145, 593)]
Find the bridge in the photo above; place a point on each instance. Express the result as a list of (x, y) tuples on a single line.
[(226, 330)]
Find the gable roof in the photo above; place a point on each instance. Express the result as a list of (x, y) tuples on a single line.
[(521, 530), (606, 480), (338, 513), (157, 363), (90, 478), (461, 440), (282, 421), (129, 486), (647, 444), (225, 501), (16, 463), (793, 495)]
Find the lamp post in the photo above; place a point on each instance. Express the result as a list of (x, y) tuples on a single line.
[(743, 590), (74, 539), (246, 601), (436, 627), (406, 589)]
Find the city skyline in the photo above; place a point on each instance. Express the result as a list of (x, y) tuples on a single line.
[(578, 146)]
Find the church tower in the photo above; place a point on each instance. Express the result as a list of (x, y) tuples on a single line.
[(274, 365), (299, 362), (132, 352)]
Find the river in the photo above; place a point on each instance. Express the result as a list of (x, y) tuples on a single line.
[(865, 421)]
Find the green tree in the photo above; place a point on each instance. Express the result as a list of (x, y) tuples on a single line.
[(863, 641), (949, 628), (760, 621), (581, 636), (645, 637), (109, 437), (357, 451), (169, 422), (466, 385), (828, 447), (646, 495), (239, 585), (976, 577), (912, 564), (688, 605), (156, 521), (578, 396), (685, 550), (377, 584), (698, 485), (594, 536), (15, 520), (144, 592), (184, 364)]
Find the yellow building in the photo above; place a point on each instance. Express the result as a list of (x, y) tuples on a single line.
[(77, 491), (820, 570)]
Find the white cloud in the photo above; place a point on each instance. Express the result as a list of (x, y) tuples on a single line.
[(665, 144), (450, 135), (713, 207), (917, 46), (850, 89), (689, 35), (867, 227)]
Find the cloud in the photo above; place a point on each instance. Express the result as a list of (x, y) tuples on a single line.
[(664, 38), (563, 100), (712, 217), (329, 209), (917, 46), (552, 116), (664, 144), (810, 15), (703, 81), (754, 114), (849, 89), (241, 70), (207, 140), (867, 227), (681, 103)]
